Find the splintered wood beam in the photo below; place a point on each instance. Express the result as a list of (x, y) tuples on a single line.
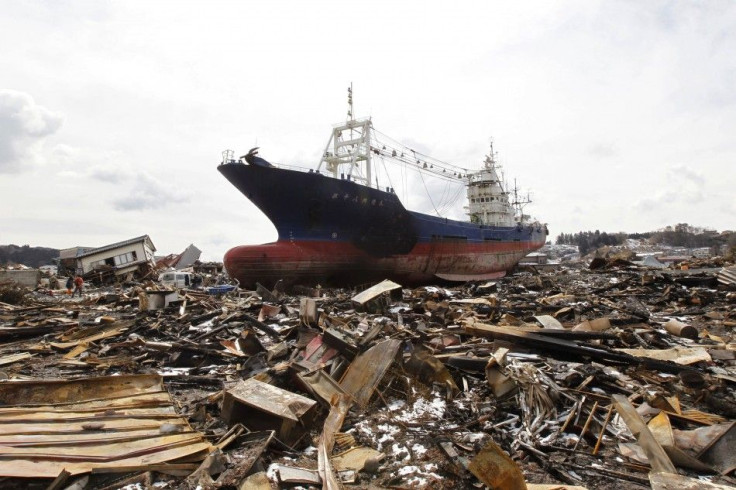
[(566, 347)]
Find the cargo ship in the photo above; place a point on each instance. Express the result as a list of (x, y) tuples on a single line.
[(337, 227)]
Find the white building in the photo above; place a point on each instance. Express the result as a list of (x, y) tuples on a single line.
[(121, 257)]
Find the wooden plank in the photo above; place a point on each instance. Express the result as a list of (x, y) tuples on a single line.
[(564, 347)]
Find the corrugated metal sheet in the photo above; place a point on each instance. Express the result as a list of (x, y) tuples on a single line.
[(727, 275), (80, 425), (188, 257)]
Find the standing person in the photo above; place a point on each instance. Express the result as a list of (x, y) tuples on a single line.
[(78, 284), (69, 285)]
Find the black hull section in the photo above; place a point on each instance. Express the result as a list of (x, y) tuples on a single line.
[(313, 207)]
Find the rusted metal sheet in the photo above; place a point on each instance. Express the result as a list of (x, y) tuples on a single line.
[(720, 453), (321, 384), (368, 369), (496, 469), (340, 405), (91, 423), (263, 406)]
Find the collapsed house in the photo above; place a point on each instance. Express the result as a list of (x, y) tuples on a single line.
[(113, 262)]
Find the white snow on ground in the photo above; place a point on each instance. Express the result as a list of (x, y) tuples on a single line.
[(384, 429), (418, 450), (424, 409), (396, 404), (420, 477), (400, 452)]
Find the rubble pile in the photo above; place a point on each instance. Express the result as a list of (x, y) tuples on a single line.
[(618, 377)]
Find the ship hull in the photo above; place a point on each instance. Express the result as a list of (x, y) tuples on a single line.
[(337, 232)]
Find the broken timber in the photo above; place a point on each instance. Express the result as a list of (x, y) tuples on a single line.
[(565, 347)]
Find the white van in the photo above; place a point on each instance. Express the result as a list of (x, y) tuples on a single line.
[(176, 279)]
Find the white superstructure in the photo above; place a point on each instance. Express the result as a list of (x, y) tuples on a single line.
[(349, 148), (488, 201)]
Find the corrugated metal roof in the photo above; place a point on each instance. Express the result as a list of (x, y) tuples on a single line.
[(727, 275), (118, 245), (91, 423)]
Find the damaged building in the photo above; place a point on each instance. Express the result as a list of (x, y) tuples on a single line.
[(113, 262)]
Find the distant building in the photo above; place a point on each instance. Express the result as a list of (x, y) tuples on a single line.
[(702, 253), (49, 269), (672, 259), (212, 268), (534, 258)]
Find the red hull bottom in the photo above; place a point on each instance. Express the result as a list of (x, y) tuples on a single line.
[(342, 264)]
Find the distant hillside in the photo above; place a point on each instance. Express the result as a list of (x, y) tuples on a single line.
[(30, 256), (680, 235)]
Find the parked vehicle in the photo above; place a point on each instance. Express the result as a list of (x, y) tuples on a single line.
[(176, 279)]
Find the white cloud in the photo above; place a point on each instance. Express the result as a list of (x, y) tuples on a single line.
[(24, 125), (113, 174), (682, 187), (148, 193)]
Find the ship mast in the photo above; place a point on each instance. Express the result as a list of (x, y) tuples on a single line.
[(519, 203), (349, 146)]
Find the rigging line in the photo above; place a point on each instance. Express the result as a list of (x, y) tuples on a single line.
[(450, 192), (429, 195), (418, 162), (405, 191), (401, 149), (414, 166), (443, 198), (384, 150), (453, 199), (436, 160), (448, 202), (388, 177)]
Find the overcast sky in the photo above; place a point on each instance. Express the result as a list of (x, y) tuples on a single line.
[(618, 116)]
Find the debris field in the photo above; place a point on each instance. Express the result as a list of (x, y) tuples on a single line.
[(619, 377)]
